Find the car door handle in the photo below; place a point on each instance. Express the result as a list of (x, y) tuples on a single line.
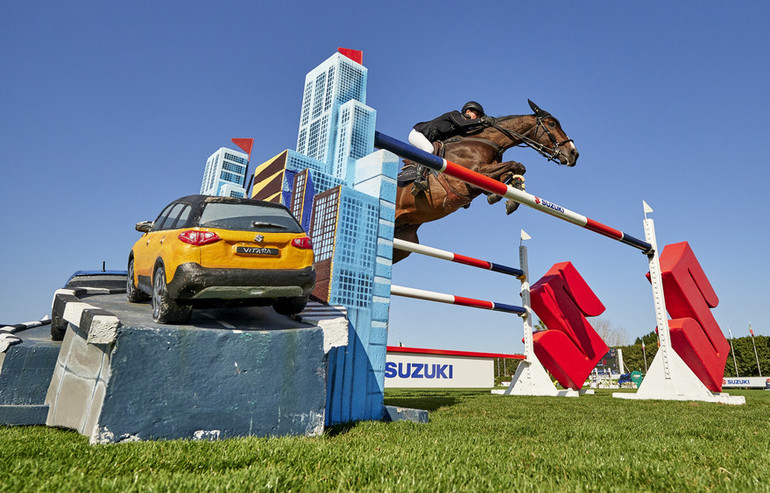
[(162, 240)]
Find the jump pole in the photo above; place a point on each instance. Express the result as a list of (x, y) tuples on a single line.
[(490, 185), (531, 377), (451, 299), (408, 246), (669, 377)]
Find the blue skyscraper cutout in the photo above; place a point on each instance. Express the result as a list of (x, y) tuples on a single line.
[(344, 194)]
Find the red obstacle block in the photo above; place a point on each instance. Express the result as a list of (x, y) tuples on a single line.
[(570, 348), (695, 334)]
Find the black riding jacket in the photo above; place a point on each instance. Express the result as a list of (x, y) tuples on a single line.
[(447, 125)]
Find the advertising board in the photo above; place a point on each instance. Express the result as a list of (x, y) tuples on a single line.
[(433, 368)]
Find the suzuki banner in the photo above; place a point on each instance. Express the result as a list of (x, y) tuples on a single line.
[(432, 368)]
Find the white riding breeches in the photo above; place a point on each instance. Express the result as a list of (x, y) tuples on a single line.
[(420, 141)]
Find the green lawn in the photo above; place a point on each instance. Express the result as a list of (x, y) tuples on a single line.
[(474, 441)]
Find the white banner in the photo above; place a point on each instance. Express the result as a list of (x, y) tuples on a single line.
[(753, 382), (438, 371)]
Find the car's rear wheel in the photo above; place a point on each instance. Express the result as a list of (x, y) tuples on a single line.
[(134, 294), (164, 309), (290, 306)]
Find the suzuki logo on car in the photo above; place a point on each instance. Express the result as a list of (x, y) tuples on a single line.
[(259, 238)]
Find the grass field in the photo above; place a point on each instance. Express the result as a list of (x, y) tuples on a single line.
[(474, 442)]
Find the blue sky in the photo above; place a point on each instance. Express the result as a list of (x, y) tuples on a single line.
[(109, 111)]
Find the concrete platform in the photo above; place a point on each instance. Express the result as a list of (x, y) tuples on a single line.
[(228, 372), (118, 376), (25, 372)]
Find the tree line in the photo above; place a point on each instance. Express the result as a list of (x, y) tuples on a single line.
[(633, 356)]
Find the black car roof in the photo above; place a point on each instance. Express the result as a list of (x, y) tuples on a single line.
[(199, 200)]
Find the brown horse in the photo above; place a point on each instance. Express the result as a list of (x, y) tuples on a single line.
[(481, 152)]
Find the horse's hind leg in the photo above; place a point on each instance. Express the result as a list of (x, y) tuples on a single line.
[(407, 232)]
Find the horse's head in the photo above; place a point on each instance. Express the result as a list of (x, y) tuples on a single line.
[(549, 139)]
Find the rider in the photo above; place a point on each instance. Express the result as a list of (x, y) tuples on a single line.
[(447, 125), (424, 134)]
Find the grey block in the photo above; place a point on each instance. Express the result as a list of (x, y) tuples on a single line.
[(197, 381), (394, 413), (25, 374), (23, 415), (26, 371), (266, 383)]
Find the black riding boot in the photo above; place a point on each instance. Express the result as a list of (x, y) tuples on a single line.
[(420, 183)]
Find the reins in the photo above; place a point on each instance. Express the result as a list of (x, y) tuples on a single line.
[(552, 154)]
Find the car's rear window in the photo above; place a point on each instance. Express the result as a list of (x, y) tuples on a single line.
[(248, 217)]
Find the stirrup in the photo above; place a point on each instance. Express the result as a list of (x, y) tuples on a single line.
[(419, 185)]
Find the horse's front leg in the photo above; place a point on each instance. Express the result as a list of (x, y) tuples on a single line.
[(512, 176)]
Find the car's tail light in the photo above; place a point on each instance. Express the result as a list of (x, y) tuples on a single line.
[(198, 238), (303, 243)]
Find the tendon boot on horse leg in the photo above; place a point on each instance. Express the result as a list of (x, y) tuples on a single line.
[(511, 205), (516, 181)]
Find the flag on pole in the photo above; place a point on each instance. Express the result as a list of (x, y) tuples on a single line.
[(244, 144), (756, 355), (642, 343), (355, 55)]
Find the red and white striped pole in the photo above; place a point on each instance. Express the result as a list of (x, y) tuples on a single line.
[(491, 185)]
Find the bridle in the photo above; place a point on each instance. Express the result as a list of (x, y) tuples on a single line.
[(550, 153)]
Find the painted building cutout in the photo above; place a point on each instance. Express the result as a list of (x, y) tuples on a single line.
[(225, 173), (268, 179), (302, 193), (343, 193), (323, 229)]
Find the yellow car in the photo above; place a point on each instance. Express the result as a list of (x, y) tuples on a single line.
[(205, 251)]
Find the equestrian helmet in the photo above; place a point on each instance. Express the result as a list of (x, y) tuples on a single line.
[(473, 105)]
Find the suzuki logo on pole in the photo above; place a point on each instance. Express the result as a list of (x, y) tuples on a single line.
[(550, 205)]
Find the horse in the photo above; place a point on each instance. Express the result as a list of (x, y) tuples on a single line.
[(481, 152)]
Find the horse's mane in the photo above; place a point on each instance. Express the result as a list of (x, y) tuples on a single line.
[(511, 117), (508, 117)]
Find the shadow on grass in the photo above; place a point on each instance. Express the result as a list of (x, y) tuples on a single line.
[(425, 399), (428, 399), (336, 430)]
